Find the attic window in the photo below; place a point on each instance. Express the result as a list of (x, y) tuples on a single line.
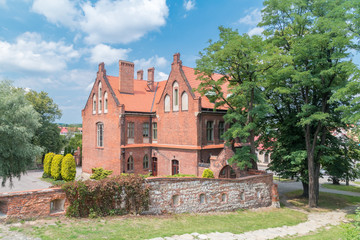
[(100, 97), (175, 96), (167, 103), (105, 102), (184, 102), (94, 104)]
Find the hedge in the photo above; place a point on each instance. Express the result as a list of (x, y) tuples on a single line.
[(68, 168), (56, 167), (100, 173), (47, 163), (207, 173)]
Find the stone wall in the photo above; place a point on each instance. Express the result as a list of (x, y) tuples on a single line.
[(36, 203), (179, 195), (167, 195)]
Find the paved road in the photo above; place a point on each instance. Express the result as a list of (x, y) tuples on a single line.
[(30, 181)]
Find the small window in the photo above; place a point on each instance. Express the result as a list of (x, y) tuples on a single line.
[(175, 96), (266, 158), (210, 131), (202, 198), (146, 161), (131, 130), (174, 167), (94, 104), (167, 103), (154, 131), (105, 102), (100, 105), (184, 102), (145, 129), (130, 164), (221, 130), (100, 97), (100, 135)]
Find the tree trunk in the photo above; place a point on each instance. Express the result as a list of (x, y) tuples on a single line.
[(305, 189)]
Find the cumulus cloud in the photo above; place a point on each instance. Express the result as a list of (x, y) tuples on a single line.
[(155, 61), (3, 4), (107, 54), (252, 19), (58, 12), (160, 76), (189, 4), (30, 53), (256, 31)]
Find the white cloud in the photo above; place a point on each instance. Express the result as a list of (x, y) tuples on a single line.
[(107, 54), (155, 61), (57, 11), (189, 4), (3, 4), (253, 18), (31, 53), (122, 21), (160, 76), (256, 31)]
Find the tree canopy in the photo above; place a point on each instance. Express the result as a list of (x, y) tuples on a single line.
[(18, 124)]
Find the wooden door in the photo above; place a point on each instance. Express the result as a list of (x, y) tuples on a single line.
[(154, 166)]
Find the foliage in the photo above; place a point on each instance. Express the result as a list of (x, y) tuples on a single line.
[(56, 167), (242, 61), (353, 229), (100, 173), (105, 196), (47, 163), (68, 168), (207, 173), (18, 124), (349, 188)]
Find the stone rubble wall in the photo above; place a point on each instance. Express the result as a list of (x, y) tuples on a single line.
[(167, 195)]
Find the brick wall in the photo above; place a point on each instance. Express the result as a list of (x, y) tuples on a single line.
[(167, 195)]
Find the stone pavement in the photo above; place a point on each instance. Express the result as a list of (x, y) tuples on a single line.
[(314, 222)]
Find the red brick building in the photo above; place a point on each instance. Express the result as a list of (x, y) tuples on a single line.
[(164, 127)]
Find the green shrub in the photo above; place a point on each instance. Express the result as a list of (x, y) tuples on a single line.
[(68, 168), (105, 197), (100, 173), (47, 163), (207, 173), (56, 167)]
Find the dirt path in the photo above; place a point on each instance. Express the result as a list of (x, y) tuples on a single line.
[(314, 222)]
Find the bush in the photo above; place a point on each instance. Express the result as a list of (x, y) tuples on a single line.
[(56, 167), (68, 168), (100, 173), (105, 197), (47, 163), (207, 173)]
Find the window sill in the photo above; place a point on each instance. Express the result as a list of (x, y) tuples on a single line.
[(100, 148)]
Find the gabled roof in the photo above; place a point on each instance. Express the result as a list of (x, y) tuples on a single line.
[(142, 100), (194, 83)]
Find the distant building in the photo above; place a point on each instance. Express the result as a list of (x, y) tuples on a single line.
[(164, 127)]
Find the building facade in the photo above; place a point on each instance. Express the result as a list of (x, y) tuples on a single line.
[(163, 127)]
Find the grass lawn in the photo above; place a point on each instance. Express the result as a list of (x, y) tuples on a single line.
[(53, 181), (143, 227), (327, 201), (342, 187), (282, 179)]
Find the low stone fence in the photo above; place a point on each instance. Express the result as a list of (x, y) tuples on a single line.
[(167, 195)]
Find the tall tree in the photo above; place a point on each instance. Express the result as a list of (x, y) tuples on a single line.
[(48, 135), (242, 60), (318, 36), (18, 123)]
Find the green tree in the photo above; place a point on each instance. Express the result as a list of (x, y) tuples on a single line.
[(18, 123), (48, 135), (318, 36), (242, 61)]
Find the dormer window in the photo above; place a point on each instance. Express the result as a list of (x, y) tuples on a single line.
[(94, 104), (105, 102), (175, 96), (100, 97)]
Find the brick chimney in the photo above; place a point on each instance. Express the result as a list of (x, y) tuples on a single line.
[(150, 81), (126, 77), (140, 75)]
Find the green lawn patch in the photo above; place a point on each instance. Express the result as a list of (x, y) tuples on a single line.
[(342, 187), (327, 201), (144, 227), (53, 181), (334, 233), (282, 179)]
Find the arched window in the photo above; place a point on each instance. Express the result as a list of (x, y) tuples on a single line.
[(130, 164), (100, 97), (94, 104), (174, 167), (167, 103), (175, 96), (184, 102), (105, 102), (100, 134), (146, 161)]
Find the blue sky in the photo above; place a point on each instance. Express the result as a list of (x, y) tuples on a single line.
[(56, 45)]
